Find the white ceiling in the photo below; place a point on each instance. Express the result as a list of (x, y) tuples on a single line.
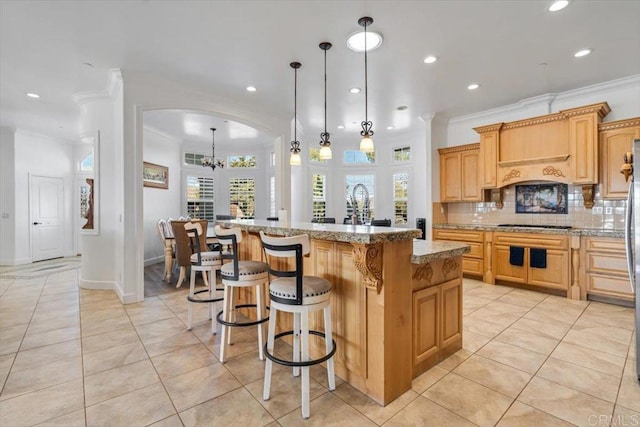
[(220, 47)]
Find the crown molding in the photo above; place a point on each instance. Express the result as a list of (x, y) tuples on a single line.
[(112, 88), (619, 124), (459, 148), (162, 134), (622, 83), (35, 134)]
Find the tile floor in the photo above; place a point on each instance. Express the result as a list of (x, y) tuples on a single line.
[(71, 357)]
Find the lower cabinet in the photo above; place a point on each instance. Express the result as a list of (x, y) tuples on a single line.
[(437, 313), (555, 275), (606, 271), (472, 261)]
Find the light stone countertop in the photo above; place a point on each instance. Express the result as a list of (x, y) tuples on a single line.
[(590, 232), (334, 232), (429, 250)]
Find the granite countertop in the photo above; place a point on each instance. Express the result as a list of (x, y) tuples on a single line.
[(429, 250), (590, 232), (334, 232)]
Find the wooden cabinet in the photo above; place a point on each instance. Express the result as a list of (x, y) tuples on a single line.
[(473, 261), (489, 143), (556, 275), (583, 132), (460, 173), (606, 272), (616, 139)]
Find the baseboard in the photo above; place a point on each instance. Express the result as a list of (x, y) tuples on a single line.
[(96, 285), (151, 261), (19, 261), (125, 298)]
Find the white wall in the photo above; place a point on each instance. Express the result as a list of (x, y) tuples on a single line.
[(42, 156), (7, 196), (160, 203)]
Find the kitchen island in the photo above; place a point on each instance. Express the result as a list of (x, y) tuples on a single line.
[(396, 301)]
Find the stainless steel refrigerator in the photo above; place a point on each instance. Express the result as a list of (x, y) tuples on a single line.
[(632, 237)]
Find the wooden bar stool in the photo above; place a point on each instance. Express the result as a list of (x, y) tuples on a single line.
[(236, 274), (293, 292)]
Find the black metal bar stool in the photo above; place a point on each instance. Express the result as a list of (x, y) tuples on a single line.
[(293, 292), (236, 274)]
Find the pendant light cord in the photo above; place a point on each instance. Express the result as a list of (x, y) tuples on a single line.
[(325, 91), (366, 91), (295, 104)]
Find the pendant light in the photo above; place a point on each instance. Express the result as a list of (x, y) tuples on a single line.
[(295, 159), (325, 144), (212, 162), (366, 144)]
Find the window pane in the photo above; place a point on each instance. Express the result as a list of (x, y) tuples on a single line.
[(358, 157), (360, 191), (402, 154), (200, 197), (86, 165), (400, 197), (242, 197), (193, 159), (242, 161), (314, 154)]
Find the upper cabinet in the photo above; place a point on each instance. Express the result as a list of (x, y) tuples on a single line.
[(561, 147), (616, 139), (460, 174)]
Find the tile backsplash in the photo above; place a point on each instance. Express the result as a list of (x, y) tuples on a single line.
[(605, 214)]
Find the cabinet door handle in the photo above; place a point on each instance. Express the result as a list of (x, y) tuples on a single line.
[(36, 223)]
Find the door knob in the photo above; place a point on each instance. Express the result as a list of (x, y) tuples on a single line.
[(36, 223)]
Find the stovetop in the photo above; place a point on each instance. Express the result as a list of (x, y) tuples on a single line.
[(554, 227)]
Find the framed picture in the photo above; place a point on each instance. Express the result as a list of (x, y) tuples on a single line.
[(542, 198), (155, 176)]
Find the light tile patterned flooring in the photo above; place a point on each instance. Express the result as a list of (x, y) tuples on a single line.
[(71, 357)]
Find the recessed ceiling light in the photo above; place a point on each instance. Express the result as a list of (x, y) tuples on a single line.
[(401, 107), (354, 90), (355, 41), (473, 86), (430, 59), (581, 53), (340, 126), (558, 5), (251, 89), (33, 95), (390, 127)]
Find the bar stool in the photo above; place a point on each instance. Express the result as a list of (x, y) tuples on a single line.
[(207, 262), (236, 274), (293, 292)]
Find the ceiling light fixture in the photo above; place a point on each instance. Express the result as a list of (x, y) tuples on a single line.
[(558, 5), (33, 95), (295, 159), (361, 40), (354, 90), (430, 59), (325, 144), (340, 126), (212, 162), (366, 143), (473, 86), (390, 127), (251, 89), (581, 53)]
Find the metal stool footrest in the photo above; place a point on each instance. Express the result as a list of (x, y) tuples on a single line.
[(193, 299), (241, 324), (285, 362)]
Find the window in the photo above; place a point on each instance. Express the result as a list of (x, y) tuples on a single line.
[(358, 157), (400, 192), (200, 197), (272, 196), (86, 164), (272, 159), (193, 159), (242, 161), (402, 154), (242, 197), (314, 154), (360, 192), (319, 195)]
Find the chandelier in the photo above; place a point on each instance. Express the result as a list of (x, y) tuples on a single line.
[(212, 162)]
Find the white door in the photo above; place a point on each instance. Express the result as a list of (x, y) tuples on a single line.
[(46, 217)]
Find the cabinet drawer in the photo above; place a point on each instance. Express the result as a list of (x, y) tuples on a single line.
[(472, 266), (604, 245), (604, 263), (466, 236), (609, 286), (527, 240)]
